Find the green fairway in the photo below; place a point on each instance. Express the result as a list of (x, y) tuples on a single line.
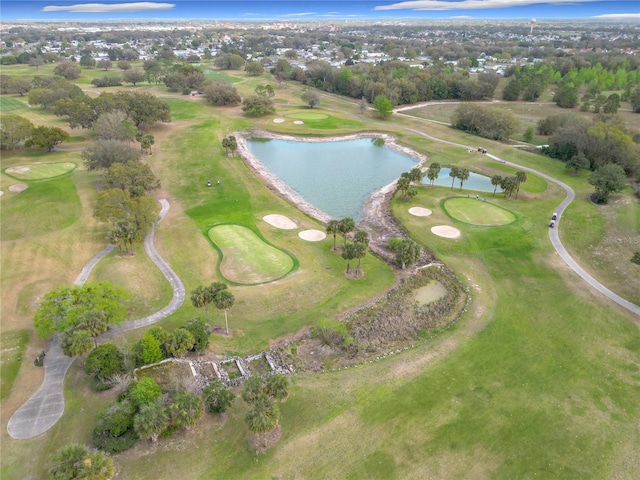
[(307, 116), (477, 212), (246, 258), (39, 171), (10, 104), (44, 207)]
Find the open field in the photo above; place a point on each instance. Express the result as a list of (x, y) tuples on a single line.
[(307, 116), (247, 259), (539, 379), (12, 348)]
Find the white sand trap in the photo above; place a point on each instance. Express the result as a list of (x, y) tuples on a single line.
[(280, 221), (1, 192), (278, 120), (19, 170), (298, 122), (18, 187), (420, 212), (312, 235), (446, 231)]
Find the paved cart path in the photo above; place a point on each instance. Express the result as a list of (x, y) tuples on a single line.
[(46, 406)]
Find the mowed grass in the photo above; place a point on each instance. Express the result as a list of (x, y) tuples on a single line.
[(12, 348), (246, 258), (44, 207), (307, 116), (40, 171), (477, 212), (11, 104)]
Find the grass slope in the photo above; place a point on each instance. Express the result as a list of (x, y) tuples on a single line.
[(476, 212)]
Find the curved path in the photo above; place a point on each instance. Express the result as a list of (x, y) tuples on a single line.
[(45, 407), (554, 233)]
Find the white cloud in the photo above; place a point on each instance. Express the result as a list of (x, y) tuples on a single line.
[(301, 14), (108, 8), (470, 4), (618, 15)]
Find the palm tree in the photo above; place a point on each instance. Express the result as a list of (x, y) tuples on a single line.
[(225, 145), (151, 420), (434, 172), (416, 175), (277, 386), (218, 397), (508, 185), (212, 290), (453, 173), (233, 143), (65, 461), (361, 241), (403, 184), (333, 228), (495, 181), (463, 174), (345, 226), (186, 410), (94, 322), (224, 300), (199, 299), (97, 466), (77, 461), (521, 177), (349, 253), (264, 415), (75, 341)]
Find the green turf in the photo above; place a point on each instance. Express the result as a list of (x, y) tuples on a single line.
[(477, 212), (246, 258), (11, 104), (212, 74), (40, 171), (12, 348), (307, 116), (42, 208)]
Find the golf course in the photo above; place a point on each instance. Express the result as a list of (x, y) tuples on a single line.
[(536, 376)]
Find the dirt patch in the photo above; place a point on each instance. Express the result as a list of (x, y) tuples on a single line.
[(261, 442), (420, 211), (19, 170), (312, 235), (446, 231), (280, 221), (18, 187)]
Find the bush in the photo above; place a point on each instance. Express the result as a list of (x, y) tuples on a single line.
[(105, 441), (107, 82), (105, 361), (200, 331), (333, 333), (218, 398)]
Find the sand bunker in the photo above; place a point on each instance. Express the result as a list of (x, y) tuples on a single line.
[(19, 170), (278, 120), (312, 235), (298, 122), (420, 212), (280, 221), (446, 231), (18, 187)]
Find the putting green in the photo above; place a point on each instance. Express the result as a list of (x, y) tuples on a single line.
[(246, 258), (477, 212), (40, 171), (308, 116)]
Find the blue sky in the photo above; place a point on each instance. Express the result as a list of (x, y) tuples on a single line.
[(292, 10)]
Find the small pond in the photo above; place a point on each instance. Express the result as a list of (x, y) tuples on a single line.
[(334, 176), (474, 182)]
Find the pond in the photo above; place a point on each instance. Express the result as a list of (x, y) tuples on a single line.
[(474, 182), (334, 176)]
